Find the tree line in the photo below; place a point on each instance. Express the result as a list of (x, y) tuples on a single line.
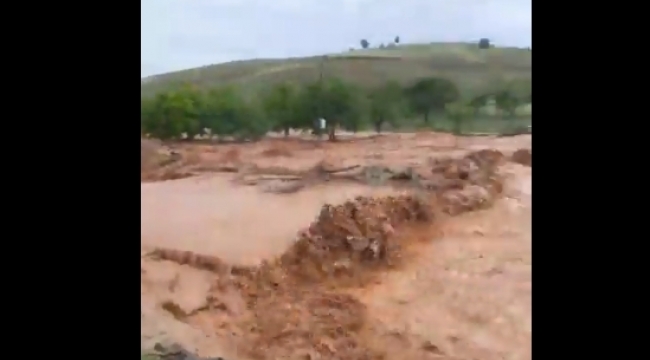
[(225, 111)]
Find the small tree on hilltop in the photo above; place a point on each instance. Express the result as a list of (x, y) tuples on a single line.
[(396, 39), (484, 43), (365, 43)]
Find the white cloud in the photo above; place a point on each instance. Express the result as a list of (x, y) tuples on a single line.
[(177, 34)]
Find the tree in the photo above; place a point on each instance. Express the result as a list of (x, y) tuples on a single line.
[(520, 88), (308, 104), (147, 108), (279, 104), (431, 95), (459, 113), (479, 101), (227, 113), (507, 101), (334, 100), (186, 110), (484, 43), (365, 43), (170, 114), (252, 124), (340, 106), (386, 104), (221, 111), (194, 99), (355, 116), (396, 39)]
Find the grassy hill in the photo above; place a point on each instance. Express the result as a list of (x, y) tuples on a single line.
[(471, 68)]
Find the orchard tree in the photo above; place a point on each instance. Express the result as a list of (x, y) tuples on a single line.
[(334, 100), (169, 115), (308, 104), (342, 105), (479, 101), (521, 88), (431, 95), (195, 99), (386, 105), (221, 111), (355, 116), (185, 110), (280, 106), (507, 101), (459, 113), (227, 113), (147, 108), (252, 124)]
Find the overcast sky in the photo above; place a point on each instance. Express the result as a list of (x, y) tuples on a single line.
[(180, 34)]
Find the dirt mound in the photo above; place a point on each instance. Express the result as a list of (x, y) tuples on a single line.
[(346, 239), (159, 162), (296, 306), (450, 173), (468, 167), (523, 157), (151, 154)]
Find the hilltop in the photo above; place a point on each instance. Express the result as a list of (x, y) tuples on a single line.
[(472, 69)]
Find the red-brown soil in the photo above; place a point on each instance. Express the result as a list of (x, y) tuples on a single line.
[(431, 265)]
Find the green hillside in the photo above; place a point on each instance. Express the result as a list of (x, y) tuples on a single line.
[(473, 69)]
